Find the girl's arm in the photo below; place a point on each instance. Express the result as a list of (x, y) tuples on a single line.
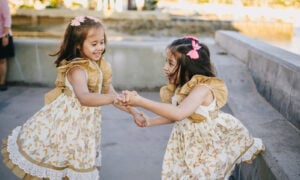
[(200, 95), (78, 79), (155, 121)]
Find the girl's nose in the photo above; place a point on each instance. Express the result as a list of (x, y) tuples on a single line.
[(165, 67)]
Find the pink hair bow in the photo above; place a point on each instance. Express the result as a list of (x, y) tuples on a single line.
[(194, 53), (77, 20), (191, 37)]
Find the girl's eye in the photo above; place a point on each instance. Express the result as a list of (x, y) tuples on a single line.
[(171, 63), (168, 61)]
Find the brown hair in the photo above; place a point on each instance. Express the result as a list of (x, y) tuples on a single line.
[(74, 36), (187, 66)]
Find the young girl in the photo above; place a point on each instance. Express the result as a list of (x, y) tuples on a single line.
[(62, 140), (205, 143)]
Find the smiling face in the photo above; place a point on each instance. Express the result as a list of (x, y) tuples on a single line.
[(94, 44), (171, 67)]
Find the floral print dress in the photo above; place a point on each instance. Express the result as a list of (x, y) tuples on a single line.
[(60, 140), (209, 148)]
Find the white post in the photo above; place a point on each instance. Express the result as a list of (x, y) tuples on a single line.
[(119, 5), (139, 4), (99, 5)]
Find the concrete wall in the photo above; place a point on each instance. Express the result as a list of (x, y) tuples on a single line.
[(135, 64), (276, 72)]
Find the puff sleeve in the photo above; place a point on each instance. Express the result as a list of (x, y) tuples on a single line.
[(166, 93), (61, 77), (107, 76), (217, 86)]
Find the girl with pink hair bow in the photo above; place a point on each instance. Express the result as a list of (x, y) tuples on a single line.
[(205, 142)]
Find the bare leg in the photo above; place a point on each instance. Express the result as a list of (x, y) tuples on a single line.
[(3, 70)]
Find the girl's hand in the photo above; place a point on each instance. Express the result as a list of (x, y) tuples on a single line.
[(119, 100), (141, 119), (4, 41), (129, 97)]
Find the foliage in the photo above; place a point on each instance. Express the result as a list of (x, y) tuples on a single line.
[(53, 4), (150, 4), (24, 6)]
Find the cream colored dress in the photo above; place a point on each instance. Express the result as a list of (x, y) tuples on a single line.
[(208, 149), (60, 140)]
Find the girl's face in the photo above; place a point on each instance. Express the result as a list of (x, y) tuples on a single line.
[(94, 45), (170, 66)]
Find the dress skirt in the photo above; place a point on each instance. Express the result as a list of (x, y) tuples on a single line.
[(62, 140), (208, 150)]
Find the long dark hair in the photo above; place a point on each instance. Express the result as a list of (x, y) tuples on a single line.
[(74, 36), (189, 66)]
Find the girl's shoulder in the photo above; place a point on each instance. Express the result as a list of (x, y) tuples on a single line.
[(81, 62), (217, 85)]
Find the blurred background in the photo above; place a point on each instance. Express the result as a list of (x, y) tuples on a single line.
[(274, 21)]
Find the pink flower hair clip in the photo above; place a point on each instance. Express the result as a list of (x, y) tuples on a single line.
[(194, 53), (77, 20)]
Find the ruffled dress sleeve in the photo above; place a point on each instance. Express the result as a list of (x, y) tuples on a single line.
[(64, 67), (218, 88), (166, 93), (215, 84), (107, 75)]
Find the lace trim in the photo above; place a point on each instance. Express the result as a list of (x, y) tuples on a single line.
[(39, 171), (253, 151), (256, 148)]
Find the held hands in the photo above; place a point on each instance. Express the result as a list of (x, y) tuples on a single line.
[(129, 99), (141, 119)]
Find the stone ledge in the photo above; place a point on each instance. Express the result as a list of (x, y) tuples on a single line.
[(276, 72), (258, 113)]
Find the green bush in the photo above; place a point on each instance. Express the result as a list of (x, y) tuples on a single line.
[(150, 4)]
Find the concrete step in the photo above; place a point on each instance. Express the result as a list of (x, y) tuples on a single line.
[(281, 160)]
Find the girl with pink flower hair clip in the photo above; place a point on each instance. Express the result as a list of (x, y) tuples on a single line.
[(63, 139), (80, 19), (205, 142)]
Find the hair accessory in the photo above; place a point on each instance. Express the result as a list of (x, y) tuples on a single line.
[(77, 20), (191, 37), (194, 53)]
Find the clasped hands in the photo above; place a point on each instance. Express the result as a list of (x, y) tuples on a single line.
[(128, 99)]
